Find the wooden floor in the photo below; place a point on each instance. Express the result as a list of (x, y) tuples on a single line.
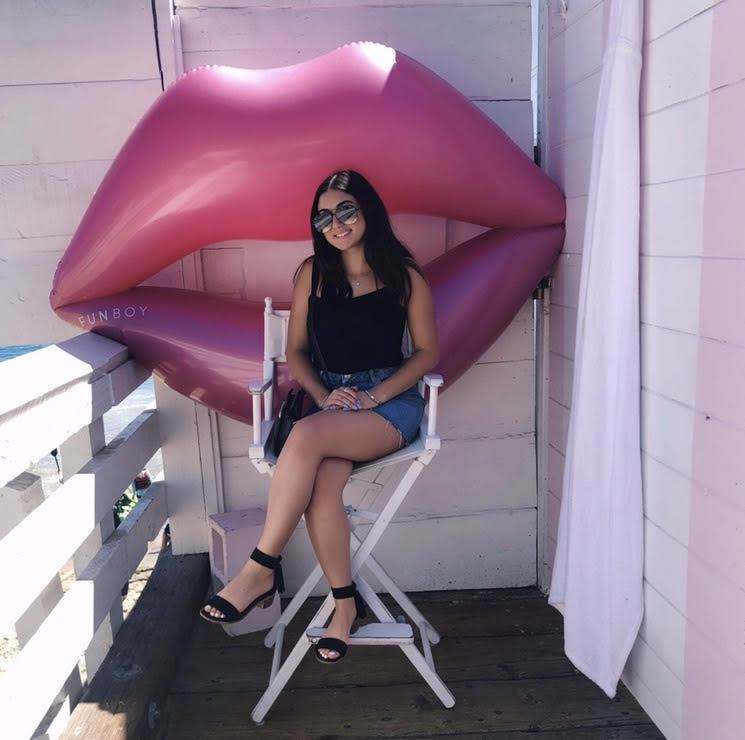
[(501, 655)]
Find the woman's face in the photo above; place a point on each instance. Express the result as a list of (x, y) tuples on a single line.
[(342, 236)]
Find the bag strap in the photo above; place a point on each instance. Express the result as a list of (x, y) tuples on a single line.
[(316, 350)]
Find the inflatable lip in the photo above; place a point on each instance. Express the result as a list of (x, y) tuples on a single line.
[(227, 153)]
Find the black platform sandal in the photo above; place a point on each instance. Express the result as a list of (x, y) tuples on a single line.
[(334, 643), (230, 613)]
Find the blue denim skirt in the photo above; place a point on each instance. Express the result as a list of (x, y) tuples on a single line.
[(404, 411)]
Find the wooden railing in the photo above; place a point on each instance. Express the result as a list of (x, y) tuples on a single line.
[(55, 397)]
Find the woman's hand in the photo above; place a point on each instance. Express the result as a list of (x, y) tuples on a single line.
[(342, 397), (349, 397)]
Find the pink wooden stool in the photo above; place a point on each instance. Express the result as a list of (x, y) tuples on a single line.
[(232, 538)]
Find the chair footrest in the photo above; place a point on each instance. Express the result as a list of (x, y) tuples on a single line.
[(374, 633)]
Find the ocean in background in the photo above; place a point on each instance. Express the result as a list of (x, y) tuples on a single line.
[(114, 421)]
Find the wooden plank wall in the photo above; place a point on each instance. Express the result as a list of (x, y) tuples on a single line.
[(74, 82), (77, 82), (480, 489), (687, 667)]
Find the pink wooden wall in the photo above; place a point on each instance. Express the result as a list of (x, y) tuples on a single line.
[(687, 668)]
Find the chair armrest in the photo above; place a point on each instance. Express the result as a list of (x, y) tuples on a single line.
[(259, 386), (434, 381)]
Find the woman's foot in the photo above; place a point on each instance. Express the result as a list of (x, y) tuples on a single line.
[(344, 614), (253, 580)]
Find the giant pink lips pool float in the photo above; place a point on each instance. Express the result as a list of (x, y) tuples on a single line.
[(223, 152)]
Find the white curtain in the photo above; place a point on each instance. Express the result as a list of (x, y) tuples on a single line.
[(597, 572)]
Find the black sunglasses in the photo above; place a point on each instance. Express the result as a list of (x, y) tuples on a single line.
[(346, 213)]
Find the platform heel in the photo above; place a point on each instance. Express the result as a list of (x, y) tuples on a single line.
[(263, 601)]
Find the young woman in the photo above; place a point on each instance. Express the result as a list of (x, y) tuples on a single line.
[(369, 286)]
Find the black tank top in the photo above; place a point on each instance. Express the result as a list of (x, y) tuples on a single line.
[(358, 333)]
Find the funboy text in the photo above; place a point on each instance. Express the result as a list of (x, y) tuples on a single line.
[(112, 314)]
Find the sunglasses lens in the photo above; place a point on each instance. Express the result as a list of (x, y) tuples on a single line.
[(347, 213), (322, 221)]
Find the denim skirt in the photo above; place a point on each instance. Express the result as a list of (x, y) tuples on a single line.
[(404, 411)]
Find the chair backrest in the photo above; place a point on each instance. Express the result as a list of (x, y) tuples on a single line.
[(276, 322)]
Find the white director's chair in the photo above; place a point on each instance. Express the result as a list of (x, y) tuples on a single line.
[(388, 631)]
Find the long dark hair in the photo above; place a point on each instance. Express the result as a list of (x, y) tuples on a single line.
[(386, 255)]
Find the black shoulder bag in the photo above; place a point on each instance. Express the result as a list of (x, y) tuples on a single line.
[(291, 409)]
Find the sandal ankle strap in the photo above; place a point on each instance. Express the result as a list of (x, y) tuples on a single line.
[(344, 592), (269, 561), (266, 560)]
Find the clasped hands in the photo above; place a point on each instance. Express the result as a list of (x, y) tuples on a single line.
[(347, 398)]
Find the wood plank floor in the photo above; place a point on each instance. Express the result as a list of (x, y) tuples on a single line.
[(501, 655)]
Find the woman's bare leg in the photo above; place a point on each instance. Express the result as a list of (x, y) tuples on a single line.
[(328, 529), (352, 435)]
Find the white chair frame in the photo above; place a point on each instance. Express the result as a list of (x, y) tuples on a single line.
[(388, 631)]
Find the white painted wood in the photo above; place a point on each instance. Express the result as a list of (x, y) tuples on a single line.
[(677, 139), (168, 43), (319, 4), (570, 166), (75, 452), (560, 379), (280, 674), (542, 396), (67, 517), (563, 16), (663, 630), (464, 465), (540, 16), (649, 702), (91, 120), (18, 498), (374, 633), (516, 341), (109, 44), (691, 351), (661, 18), (667, 498), (675, 380), (34, 194), (667, 432), (566, 271), (577, 52), (507, 408), (563, 330), (691, 201), (78, 380), (558, 425), (34, 677), (501, 551), (720, 469), (275, 38), (555, 471), (21, 496), (182, 468), (572, 110), (666, 565), (656, 687), (514, 117), (677, 66)]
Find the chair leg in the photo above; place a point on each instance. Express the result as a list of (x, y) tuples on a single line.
[(401, 598), (289, 612), (280, 675)]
